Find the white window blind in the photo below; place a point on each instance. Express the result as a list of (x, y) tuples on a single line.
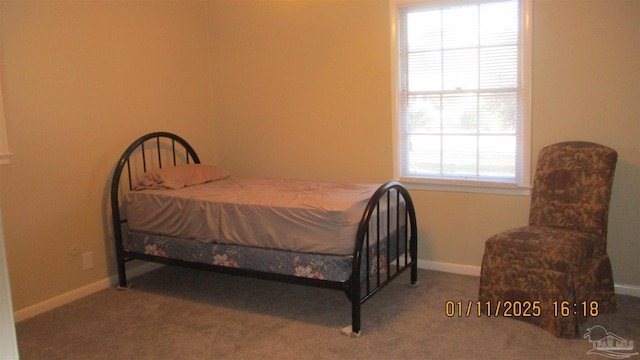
[(461, 94)]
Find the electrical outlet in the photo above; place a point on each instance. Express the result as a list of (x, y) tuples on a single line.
[(87, 260)]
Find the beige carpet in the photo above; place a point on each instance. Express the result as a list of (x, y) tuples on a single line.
[(175, 313)]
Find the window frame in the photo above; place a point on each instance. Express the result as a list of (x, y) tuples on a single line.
[(438, 184)]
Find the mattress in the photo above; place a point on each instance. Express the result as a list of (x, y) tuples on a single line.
[(293, 215)]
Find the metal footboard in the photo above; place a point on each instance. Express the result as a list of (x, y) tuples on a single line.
[(376, 235)]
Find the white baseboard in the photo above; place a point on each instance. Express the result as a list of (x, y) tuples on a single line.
[(50, 304), (620, 289), (449, 267), (79, 293), (623, 289)]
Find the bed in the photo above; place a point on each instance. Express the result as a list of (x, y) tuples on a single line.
[(169, 208)]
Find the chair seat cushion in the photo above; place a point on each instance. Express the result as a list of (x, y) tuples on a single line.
[(543, 247)]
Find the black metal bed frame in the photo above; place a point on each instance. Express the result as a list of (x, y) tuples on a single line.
[(358, 292)]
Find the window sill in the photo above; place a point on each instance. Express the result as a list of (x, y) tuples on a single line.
[(465, 187)]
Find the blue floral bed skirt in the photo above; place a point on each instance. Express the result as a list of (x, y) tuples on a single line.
[(307, 265)]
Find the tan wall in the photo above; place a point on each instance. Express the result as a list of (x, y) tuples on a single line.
[(81, 80), (302, 90), (587, 86), (296, 89)]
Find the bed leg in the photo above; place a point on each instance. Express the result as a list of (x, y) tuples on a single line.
[(348, 331), (122, 276), (354, 329), (356, 316), (353, 293), (414, 274), (414, 257)]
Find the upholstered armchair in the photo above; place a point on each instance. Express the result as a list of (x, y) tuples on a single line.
[(558, 264)]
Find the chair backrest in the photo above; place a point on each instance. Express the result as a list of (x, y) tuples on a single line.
[(572, 187)]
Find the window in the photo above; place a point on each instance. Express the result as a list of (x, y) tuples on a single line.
[(463, 98)]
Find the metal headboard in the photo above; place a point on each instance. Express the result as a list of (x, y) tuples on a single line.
[(149, 152)]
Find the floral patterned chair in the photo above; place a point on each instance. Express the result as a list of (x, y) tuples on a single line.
[(556, 270)]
